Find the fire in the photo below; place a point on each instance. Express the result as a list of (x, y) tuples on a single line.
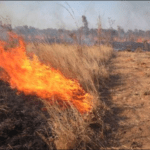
[(139, 40), (33, 77)]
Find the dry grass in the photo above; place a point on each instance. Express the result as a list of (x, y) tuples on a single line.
[(89, 66)]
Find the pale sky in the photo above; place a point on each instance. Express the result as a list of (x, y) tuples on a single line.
[(52, 14)]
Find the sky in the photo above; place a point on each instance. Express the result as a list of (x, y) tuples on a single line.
[(68, 14)]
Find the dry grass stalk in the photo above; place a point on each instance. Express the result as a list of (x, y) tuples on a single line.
[(73, 130)]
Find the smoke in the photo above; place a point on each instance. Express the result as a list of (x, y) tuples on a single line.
[(85, 30), (84, 20), (127, 14), (37, 14), (85, 27), (133, 15)]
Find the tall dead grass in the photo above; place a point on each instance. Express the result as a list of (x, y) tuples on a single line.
[(86, 64), (89, 66)]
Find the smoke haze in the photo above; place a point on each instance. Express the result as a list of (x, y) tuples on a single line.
[(129, 15)]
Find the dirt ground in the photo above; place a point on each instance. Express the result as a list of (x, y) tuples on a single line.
[(128, 96)]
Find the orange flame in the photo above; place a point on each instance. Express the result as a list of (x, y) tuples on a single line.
[(139, 40), (33, 77)]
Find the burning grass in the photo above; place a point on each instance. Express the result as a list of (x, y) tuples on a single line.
[(32, 77), (56, 81), (86, 64), (89, 66)]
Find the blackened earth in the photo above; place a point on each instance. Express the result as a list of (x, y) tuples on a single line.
[(22, 121)]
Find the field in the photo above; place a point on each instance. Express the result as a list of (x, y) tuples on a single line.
[(31, 122), (63, 96)]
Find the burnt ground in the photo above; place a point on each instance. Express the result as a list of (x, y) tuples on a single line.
[(128, 96), (129, 45), (22, 123)]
